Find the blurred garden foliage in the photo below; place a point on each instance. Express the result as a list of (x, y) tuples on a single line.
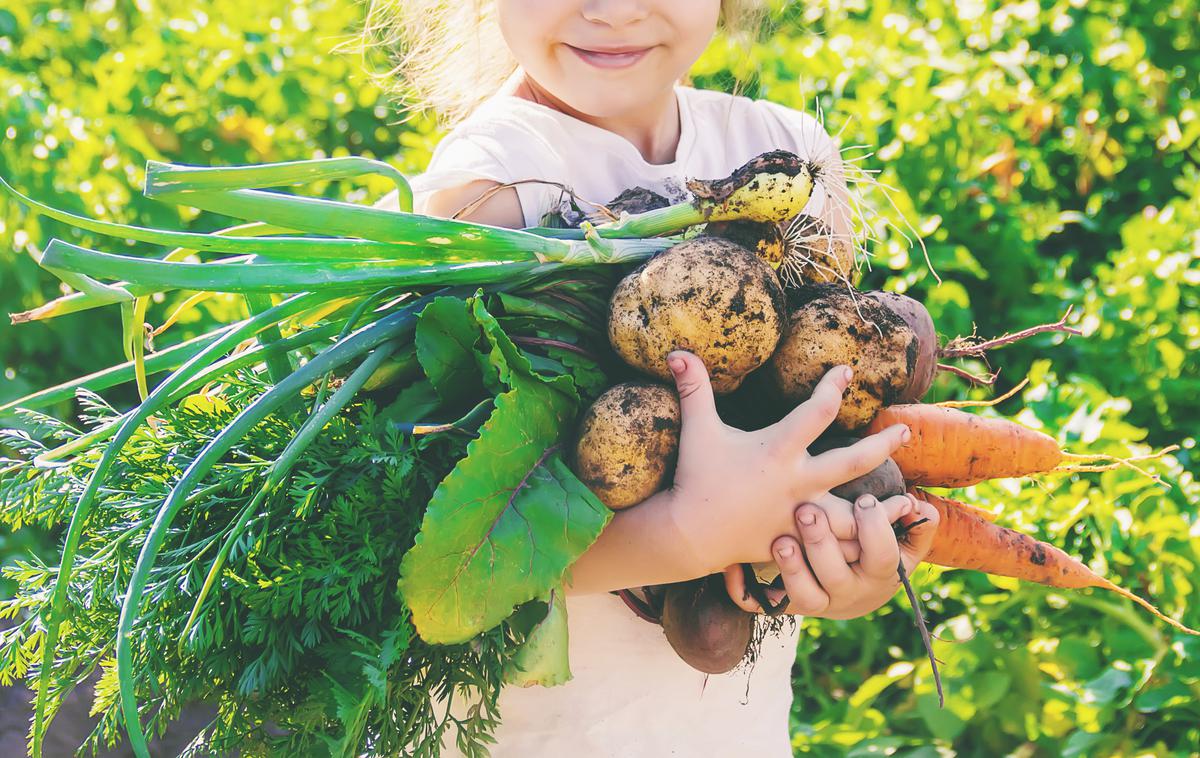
[(1049, 155)]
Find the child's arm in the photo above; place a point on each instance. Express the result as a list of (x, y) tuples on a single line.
[(502, 208)]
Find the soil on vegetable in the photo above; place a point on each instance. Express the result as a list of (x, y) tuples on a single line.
[(774, 162), (637, 200), (765, 238), (828, 326), (708, 295), (628, 442)]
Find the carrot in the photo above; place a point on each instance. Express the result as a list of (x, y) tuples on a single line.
[(964, 539), (974, 510), (953, 448)]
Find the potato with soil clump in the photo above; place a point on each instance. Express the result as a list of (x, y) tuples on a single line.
[(628, 441), (828, 326), (708, 296)]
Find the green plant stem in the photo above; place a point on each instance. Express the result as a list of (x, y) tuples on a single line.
[(165, 180), (210, 373), (283, 247), (346, 229), (278, 365), (654, 223), (163, 360), (351, 323), (83, 507), (278, 470), (326, 276), (390, 327), (67, 260)]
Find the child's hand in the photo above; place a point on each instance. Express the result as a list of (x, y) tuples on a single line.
[(819, 581), (736, 491)]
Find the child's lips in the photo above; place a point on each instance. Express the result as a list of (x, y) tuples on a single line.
[(614, 58)]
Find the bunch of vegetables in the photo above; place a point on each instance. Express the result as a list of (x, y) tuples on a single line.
[(340, 514), (767, 342)]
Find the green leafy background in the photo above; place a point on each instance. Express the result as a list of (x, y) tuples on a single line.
[(1047, 152)]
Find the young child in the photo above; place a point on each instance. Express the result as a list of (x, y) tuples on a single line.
[(585, 94)]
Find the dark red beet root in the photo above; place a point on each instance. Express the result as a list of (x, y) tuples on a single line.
[(704, 627), (883, 481)]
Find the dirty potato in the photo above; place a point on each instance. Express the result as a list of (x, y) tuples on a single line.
[(828, 326), (708, 296), (628, 442)]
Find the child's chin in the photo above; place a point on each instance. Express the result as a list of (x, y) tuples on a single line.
[(602, 100)]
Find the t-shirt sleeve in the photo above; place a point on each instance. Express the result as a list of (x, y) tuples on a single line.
[(803, 134), (498, 151)]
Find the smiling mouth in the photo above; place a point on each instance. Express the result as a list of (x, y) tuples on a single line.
[(620, 58)]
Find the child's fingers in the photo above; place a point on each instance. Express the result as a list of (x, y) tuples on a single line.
[(851, 550), (808, 420), (840, 513), (805, 594), (880, 553), (843, 522), (918, 541), (823, 551), (697, 407), (897, 507), (735, 585), (840, 465)]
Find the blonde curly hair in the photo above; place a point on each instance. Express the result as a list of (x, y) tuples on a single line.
[(448, 56)]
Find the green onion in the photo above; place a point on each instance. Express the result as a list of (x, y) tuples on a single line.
[(165, 179), (163, 360), (210, 373), (66, 260)]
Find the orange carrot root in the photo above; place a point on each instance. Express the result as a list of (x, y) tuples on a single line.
[(965, 539), (953, 448)]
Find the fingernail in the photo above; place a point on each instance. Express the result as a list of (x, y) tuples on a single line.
[(677, 365), (786, 551), (807, 518), (866, 501), (847, 374), (906, 435)]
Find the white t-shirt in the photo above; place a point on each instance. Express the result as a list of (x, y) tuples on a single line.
[(630, 694)]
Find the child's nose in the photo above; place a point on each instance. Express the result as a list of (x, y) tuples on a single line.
[(615, 13)]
